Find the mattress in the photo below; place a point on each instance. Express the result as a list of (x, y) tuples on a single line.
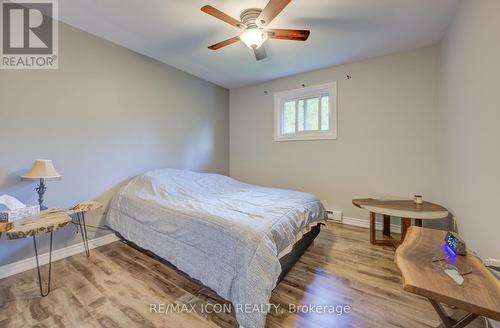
[(225, 233)]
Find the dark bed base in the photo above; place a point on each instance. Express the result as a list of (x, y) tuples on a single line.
[(287, 261)]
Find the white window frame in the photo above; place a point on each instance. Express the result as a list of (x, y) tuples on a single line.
[(280, 98)]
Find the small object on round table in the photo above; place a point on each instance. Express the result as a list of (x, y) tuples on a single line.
[(418, 199), (402, 208)]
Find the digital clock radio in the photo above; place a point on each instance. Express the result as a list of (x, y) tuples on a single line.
[(455, 243)]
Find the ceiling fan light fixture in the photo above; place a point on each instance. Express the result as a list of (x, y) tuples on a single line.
[(253, 38), (253, 23)]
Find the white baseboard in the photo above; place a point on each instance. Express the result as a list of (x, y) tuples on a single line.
[(58, 254), (366, 224)]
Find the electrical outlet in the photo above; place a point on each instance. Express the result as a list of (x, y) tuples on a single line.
[(492, 262), (335, 215)]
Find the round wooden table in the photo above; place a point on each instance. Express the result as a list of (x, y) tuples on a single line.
[(404, 209)]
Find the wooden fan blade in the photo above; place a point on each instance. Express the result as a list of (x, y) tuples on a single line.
[(272, 9), (224, 43), (283, 34), (222, 16), (260, 52)]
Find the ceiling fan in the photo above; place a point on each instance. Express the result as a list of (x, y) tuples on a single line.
[(254, 23)]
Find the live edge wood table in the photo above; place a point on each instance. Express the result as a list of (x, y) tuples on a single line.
[(49, 221), (405, 209), (479, 294), (4, 226)]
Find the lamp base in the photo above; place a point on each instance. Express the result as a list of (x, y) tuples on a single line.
[(41, 191)]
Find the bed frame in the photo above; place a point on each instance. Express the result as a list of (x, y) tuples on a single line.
[(287, 262)]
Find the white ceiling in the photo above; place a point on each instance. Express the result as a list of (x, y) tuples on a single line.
[(176, 32)]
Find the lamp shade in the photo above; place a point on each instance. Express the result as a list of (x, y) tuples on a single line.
[(42, 169)]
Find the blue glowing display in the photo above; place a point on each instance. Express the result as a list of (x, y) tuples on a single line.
[(449, 251)]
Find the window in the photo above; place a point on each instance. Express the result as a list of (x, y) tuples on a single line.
[(306, 114)]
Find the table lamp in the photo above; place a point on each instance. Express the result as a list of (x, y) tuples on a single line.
[(44, 170)]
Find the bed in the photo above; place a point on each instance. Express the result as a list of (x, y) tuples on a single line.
[(237, 239)]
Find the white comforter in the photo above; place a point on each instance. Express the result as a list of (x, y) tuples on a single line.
[(225, 233)]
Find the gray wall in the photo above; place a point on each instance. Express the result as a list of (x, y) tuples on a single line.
[(471, 117), (105, 116), (388, 138)]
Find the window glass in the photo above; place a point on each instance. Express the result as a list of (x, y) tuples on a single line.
[(300, 116), (325, 113), (312, 114), (289, 117), (308, 113)]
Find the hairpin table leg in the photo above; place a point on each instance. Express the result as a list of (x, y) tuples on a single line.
[(83, 231), (38, 266), (449, 322)]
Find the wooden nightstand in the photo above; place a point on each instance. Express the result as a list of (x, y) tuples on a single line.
[(47, 222), (478, 294), (4, 226)]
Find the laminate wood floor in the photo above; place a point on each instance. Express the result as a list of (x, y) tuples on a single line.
[(117, 284)]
